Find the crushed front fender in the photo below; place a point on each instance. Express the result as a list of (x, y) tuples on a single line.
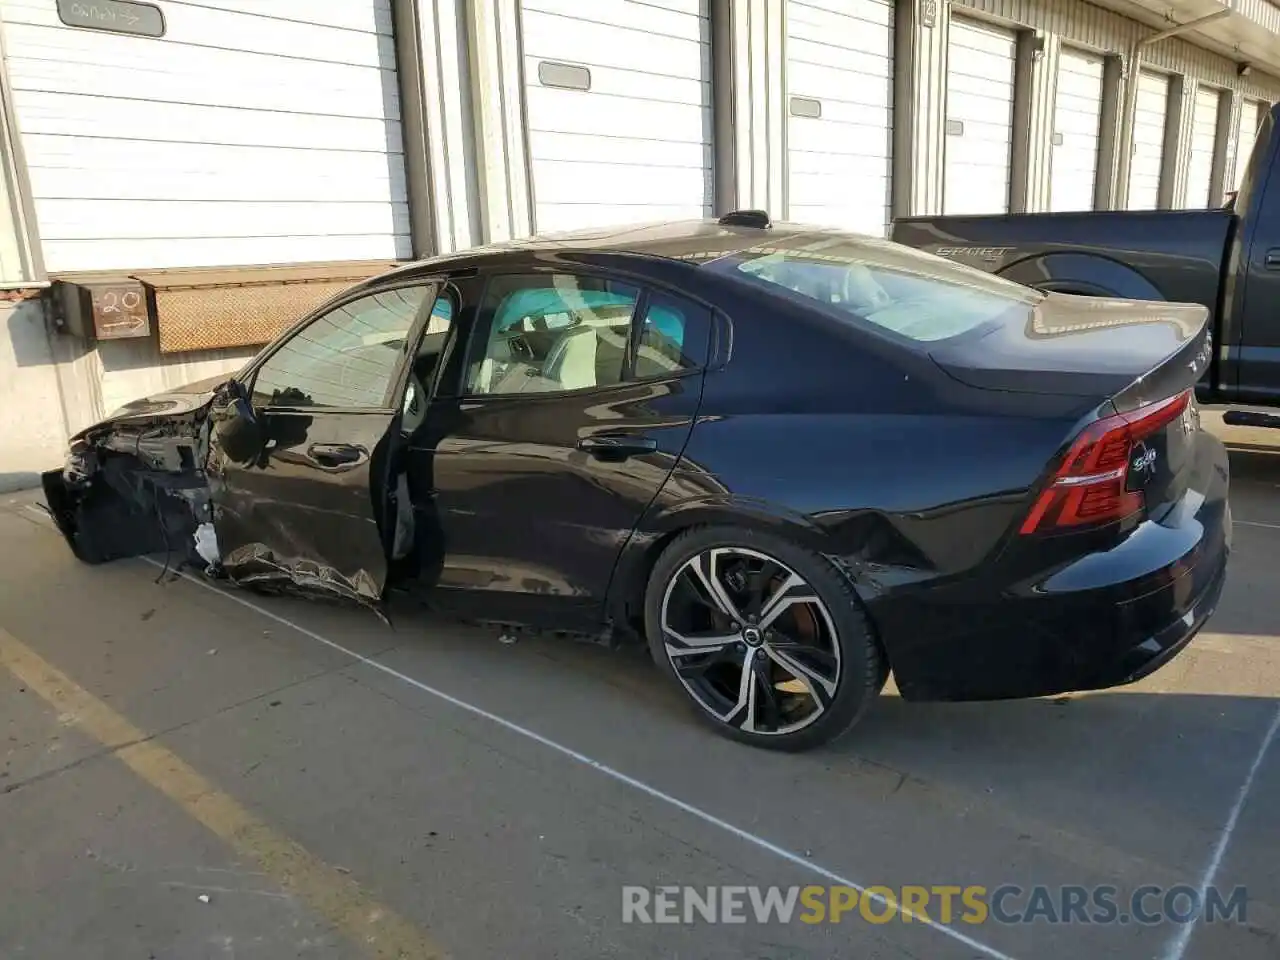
[(132, 488)]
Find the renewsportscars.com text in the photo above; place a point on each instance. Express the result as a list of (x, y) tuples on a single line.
[(938, 903)]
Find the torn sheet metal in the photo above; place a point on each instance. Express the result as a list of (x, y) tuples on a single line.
[(257, 565), (149, 480)]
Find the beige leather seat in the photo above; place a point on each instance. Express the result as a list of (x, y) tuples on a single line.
[(573, 360)]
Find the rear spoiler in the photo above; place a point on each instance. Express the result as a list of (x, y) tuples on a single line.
[(1180, 371)]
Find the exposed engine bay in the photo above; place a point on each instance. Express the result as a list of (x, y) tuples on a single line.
[(136, 487)]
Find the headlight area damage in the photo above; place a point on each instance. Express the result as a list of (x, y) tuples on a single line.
[(137, 486)]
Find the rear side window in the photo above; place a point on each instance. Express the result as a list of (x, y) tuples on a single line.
[(560, 332), (552, 333), (913, 295)]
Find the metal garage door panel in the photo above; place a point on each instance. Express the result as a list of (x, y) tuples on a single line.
[(1250, 119), (218, 145), (840, 67), (1204, 134), (979, 130), (624, 134), (1148, 141), (1077, 115)]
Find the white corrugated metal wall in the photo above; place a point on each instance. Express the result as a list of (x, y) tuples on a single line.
[(840, 112), (618, 107), (250, 133)]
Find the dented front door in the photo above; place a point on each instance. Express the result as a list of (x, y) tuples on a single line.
[(297, 459)]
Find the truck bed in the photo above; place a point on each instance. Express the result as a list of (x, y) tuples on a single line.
[(1171, 255)]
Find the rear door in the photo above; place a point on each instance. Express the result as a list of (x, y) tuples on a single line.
[(572, 405), (303, 503)]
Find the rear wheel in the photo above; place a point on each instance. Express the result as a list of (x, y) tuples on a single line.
[(767, 638)]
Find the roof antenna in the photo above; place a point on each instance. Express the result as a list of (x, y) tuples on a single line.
[(747, 218)]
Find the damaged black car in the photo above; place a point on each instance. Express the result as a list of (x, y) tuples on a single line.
[(792, 461)]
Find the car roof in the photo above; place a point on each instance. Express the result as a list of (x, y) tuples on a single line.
[(681, 240)]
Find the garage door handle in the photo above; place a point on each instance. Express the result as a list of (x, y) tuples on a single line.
[(336, 454), (1272, 259), (617, 446)]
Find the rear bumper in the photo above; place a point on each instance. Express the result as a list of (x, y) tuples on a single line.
[(1166, 642), (1109, 618)]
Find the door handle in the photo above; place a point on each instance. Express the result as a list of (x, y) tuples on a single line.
[(1271, 260), (336, 454), (617, 446)]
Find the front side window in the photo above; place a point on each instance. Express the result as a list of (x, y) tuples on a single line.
[(345, 358), (546, 333), (914, 295)]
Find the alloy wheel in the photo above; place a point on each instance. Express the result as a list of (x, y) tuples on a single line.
[(751, 641)]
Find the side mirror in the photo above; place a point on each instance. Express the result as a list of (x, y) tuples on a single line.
[(1229, 201), (237, 427)]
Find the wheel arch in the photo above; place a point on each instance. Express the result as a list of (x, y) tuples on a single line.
[(1085, 274), (657, 531)]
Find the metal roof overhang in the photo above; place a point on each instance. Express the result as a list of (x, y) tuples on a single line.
[(1246, 31)]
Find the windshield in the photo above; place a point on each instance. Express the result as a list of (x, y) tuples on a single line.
[(908, 293)]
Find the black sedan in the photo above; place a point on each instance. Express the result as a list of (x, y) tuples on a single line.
[(792, 460)]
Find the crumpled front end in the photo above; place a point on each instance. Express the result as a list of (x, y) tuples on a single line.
[(136, 486), (152, 480)]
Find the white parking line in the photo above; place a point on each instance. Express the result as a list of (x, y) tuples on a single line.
[(1257, 523), (1178, 946), (39, 514)]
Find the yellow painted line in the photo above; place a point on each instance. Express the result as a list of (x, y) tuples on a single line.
[(333, 895)]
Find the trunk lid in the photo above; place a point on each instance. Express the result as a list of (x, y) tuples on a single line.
[(1134, 351), (1136, 362)]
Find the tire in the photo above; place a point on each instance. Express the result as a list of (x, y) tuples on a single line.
[(815, 665)]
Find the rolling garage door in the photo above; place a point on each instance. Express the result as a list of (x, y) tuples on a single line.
[(979, 124), (1204, 134), (1077, 115), (618, 106), (840, 112), (1148, 141), (1250, 119), (220, 142)]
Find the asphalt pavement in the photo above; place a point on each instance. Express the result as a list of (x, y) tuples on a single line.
[(188, 771)]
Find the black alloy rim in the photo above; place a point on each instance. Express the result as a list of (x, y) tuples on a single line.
[(751, 641)]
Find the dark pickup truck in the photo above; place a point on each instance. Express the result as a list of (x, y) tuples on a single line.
[(1227, 259)]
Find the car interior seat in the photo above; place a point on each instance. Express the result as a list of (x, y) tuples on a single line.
[(572, 363)]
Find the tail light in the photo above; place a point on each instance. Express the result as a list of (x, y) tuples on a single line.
[(1088, 488)]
